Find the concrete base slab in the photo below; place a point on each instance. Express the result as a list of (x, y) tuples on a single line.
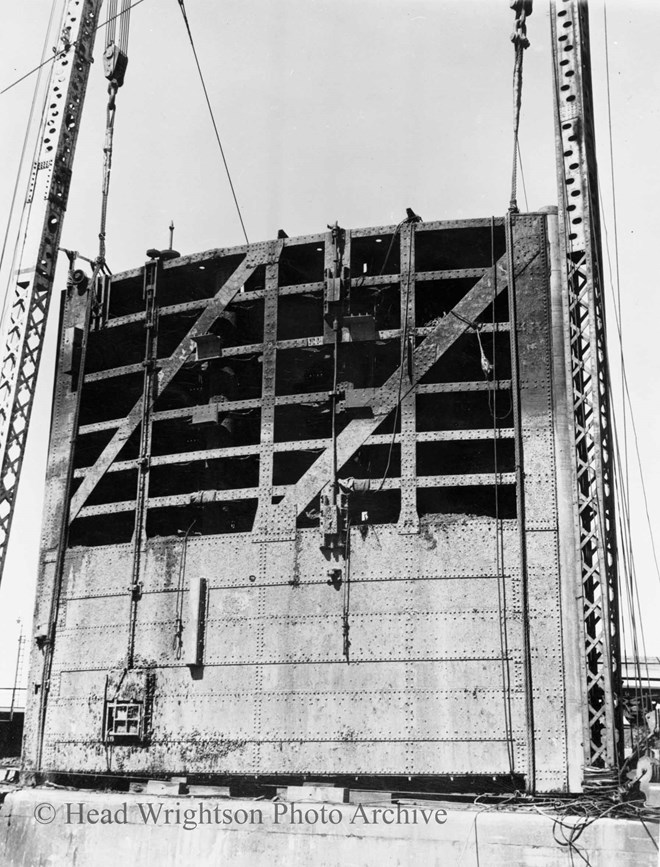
[(92, 829)]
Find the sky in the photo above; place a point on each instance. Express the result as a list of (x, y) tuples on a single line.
[(348, 110)]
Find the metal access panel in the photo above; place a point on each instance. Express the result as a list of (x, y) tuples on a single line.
[(310, 514)]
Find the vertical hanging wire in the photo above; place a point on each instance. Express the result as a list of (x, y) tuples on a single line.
[(177, 641), (213, 121), (616, 245), (112, 22), (124, 23), (623, 467), (499, 529)]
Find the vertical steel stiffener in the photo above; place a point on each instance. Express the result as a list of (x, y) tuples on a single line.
[(151, 270), (582, 276), (46, 202)]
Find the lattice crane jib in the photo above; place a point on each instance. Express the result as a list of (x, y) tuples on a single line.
[(30, 289), (582, 275)]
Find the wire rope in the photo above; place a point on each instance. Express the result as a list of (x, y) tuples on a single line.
[(215, 126), (61, 53)]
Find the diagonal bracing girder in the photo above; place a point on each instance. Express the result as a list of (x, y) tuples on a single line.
[(444, 334)]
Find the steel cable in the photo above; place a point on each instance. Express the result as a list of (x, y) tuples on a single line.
[(215, 126), (57, 55)]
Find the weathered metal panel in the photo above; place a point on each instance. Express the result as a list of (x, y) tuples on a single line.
[(408, 641)]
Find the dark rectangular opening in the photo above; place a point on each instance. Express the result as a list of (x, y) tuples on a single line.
[(368, 365), (463, 361), (185, 389), (374, 462), (179, 435), (256, 282), (233, 516), (111, 398), (497, 312), (464, 410), (288, 467), (304, 370), (476, 500), (130, 451), (391, 422), (301, 422), (374, 507), (213, 475), (299, 316), (114, 488), (435, 298), (248, 317), (382, 302), (239, 324), (89, 447), (375, 254), (114, 529), (466, 456), (193, 282), (126, 295), (302, 263), (197, 383), (115, 347), (173, 329), (465, 247)]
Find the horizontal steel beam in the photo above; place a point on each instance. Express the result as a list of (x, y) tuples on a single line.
[(312, 397), (293, 446), (294, 343), (230, 494), (298, 289)]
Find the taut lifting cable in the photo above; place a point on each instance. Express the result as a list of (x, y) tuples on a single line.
[(523, 9), (215, 126), (115, 60), (112, 22), (630, 596)]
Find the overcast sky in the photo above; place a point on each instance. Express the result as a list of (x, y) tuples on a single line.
[(346, 110)]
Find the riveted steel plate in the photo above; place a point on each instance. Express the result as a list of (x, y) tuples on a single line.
[(416, 643)]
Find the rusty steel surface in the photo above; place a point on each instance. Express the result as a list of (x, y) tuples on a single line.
[(240, 619)]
